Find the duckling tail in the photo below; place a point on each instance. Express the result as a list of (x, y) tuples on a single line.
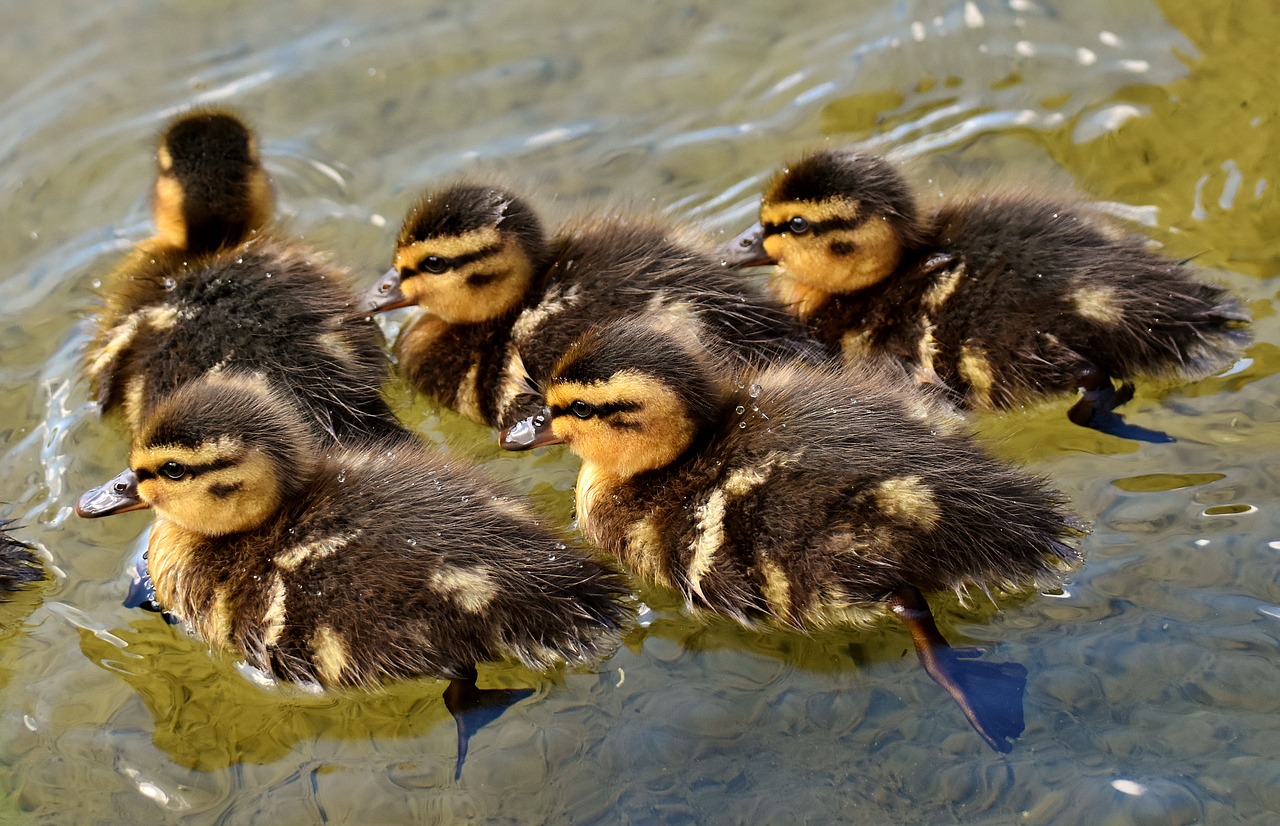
[(990, 694), (473, 707)]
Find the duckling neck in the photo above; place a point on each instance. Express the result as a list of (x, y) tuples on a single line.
[(800, 298), (196, 580), (458, 365)]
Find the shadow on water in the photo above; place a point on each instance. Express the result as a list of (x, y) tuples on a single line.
[(189, 692)]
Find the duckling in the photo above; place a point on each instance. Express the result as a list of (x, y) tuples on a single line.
[(211, 192), (805, 495), (215, 290), (18, 566), (350, 567), (502, 303), (1000, 298)]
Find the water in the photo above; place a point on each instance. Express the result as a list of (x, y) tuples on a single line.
[(1152, 695)]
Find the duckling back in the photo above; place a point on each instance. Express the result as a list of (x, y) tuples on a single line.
[(267, 307), (825, 495), (606, 270), (1043, 289), (211, 189), (401, 563)]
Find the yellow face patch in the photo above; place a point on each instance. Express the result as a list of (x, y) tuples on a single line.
[(226, 500), (412, 255), (261, 198), (474, 291), (874, 251), (650, 434)]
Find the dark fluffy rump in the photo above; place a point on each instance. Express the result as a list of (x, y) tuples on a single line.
[(996, 528), (429, 536), (18, 565), (741, 314), (1037, 256), (267, 307)]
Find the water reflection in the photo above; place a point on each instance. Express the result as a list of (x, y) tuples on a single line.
[(1156, 670)]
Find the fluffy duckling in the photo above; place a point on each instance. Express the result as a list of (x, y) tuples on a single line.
[(348, 567), (502, 302), (803, 494), (18, 566), (211, 292), (211, 192), (1000, 297)]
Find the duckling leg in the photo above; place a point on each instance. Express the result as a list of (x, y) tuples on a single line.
[(1098, 396), (1096, 408), (473, 707), (989, 694)]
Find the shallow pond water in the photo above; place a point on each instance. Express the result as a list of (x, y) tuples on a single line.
[(1153, 691)]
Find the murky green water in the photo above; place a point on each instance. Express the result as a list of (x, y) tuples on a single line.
[(1154, 681)]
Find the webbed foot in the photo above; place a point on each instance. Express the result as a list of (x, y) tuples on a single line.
[(1096, 408), (473, 708), (990, 694)]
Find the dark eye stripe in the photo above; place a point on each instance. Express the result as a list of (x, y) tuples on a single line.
[(816, 227), (192, 470), (601, 410), (454, 263)]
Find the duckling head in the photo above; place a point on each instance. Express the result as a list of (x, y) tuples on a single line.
[(627, 397), (465, 254), (219, 456), (835, 221), (211, 190)]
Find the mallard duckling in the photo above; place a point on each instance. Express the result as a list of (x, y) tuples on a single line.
[(1000, 297), (211, 192), (801, 494), (18, 566), (350, 567), (502, 303), (213, 290)]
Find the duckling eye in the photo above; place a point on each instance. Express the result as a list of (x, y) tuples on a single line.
[(582, 410), (798, 225), (173, 470), (435, 264)]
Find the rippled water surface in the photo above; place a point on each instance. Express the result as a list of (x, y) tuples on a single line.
[(1154, 679)]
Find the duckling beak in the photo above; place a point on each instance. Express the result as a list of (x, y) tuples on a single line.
[(747, 250), (535, 431), (386, 294), (116, 496)]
